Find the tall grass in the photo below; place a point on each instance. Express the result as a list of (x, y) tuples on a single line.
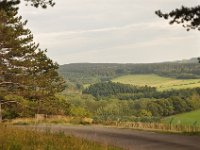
[(51, 120), (161, 127), (12, 138)]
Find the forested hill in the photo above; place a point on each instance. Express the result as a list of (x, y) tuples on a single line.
[(192, 60), (94, 72)]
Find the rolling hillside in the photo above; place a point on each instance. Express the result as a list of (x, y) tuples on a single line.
[(190, 118), (161, 83), (90, 73)]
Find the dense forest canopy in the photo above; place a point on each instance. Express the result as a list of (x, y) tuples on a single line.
[(113, 89)]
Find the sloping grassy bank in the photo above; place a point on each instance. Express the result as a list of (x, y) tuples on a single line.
[(190, 118), (12, 138)]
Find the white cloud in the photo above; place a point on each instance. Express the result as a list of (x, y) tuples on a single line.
[(111, 30)]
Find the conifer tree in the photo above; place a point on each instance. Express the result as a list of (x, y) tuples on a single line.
[(25, 70)]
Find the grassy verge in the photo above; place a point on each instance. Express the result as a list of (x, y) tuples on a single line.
[(52, 120), (168, 125), (12, 138), (157, 127)]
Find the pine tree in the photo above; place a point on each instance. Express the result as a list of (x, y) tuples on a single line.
[(25, 70)]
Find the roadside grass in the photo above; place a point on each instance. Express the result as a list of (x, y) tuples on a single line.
[(190, 118), (13, 138), (167, 125), (51, 120), (186, 123), (156, 127), (161, 83)]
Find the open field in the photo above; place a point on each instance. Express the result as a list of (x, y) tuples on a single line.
[(161, 83), (12, 138), (190, 118)]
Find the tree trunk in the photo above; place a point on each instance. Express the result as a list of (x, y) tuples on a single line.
[(0, 112)]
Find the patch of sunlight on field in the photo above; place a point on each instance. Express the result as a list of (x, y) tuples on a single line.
[(190, 118), (86, 85), (161, 83)]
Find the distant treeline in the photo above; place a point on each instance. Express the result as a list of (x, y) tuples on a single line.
[(105, 89), (87, 73)]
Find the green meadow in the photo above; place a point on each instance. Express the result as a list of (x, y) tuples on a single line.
[(190, 118), (161, 83)]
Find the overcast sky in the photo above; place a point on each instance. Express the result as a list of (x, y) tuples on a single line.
[(111, 31)]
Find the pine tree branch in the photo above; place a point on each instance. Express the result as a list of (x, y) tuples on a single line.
[(8, 102), (189, 17), (41, 3), (4, 84), (8, 83)]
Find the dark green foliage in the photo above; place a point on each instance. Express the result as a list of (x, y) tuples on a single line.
[(110, 88), (188, 16), (42, 3), (34, 3), (22, 62), (171, 105), (154, 108), (27, 108), (144, 109), (25, 70), (54, 106)]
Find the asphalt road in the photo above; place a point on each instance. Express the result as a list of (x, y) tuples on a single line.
[(129, 139)]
